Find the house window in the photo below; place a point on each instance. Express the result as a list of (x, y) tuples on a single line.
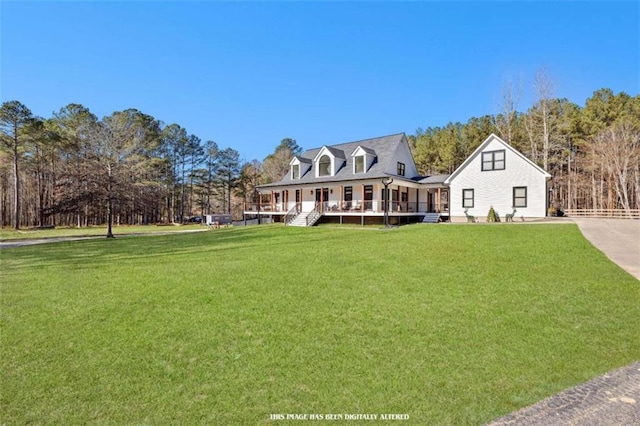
[(519, 196), (324, 166), (295, 171), (400, 169), (359, 164), (368, 197), (348, 193), (467, 198), (493, 160)]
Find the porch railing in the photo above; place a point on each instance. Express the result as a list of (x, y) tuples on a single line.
[(353, 206), (258, 207), (377, 206), (314, 215)]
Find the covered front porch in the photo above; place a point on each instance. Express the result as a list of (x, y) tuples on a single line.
[(353, 199)]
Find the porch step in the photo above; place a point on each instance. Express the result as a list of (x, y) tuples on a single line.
[(431, 218), (301, 219)]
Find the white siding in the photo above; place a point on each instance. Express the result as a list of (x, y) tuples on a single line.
[(495, 188), (403, 155)]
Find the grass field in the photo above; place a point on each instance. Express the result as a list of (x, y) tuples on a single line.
[(450, 324), (7, 234)]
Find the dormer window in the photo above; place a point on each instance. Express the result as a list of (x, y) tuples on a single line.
[(400, 169), (358, 164), (328, 161), (299, 166), (324, 166), (363, 159)]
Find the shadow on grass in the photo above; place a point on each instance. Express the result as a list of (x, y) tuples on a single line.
[(85, 254)]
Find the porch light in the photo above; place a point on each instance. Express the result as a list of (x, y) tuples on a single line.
[(386, 182), (311, 192)]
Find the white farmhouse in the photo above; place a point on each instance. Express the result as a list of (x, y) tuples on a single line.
[(366, 181)]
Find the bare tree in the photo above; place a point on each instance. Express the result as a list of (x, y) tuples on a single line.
[(545, 89), (504, 122), (119, 145), (616, 153)]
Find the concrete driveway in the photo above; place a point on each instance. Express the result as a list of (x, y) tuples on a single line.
[(618, 239)]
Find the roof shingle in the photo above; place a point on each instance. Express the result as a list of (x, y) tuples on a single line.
[(383, 147)]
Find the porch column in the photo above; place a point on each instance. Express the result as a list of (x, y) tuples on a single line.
[(438, 200), (362, 202), (407, 202), (340, 201), (417, 200)]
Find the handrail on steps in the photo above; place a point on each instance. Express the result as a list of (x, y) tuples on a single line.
[(313, 215), (291, 214)]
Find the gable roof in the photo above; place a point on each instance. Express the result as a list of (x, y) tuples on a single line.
[(365, 150), (300, 159), (336, 153), (492, 137), (384, 148)]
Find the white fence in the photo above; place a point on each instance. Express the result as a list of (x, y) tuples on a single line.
[(604, 213)]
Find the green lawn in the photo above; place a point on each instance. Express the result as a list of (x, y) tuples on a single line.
[(450, 324), (7, 234)]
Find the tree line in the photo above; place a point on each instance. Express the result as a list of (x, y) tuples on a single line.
[(73, 169), (126, 168), (591, 152)]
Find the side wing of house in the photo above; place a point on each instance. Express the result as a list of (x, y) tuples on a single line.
[(496, 175)]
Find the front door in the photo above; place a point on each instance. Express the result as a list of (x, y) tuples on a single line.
[(322, 196)]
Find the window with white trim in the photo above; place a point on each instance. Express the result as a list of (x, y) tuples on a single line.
[(324, 166), (295, 171), (358, 164), (400, 169)]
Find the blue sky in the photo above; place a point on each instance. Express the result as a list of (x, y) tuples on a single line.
[(247, 74)]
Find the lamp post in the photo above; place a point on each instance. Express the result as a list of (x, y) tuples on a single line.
[(386, 182)]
